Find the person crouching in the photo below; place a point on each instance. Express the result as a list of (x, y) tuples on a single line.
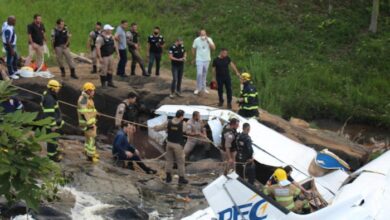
[(124, 151)]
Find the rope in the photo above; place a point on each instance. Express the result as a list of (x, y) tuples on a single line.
[(207, 140)]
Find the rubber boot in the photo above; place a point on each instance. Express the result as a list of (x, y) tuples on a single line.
[(73, 73), (168, 178), (94, 69), (109, 81), (182, 180), (62, 71), (103, 81)]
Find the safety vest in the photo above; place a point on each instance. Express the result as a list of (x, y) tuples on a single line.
[(108, 47), (50, 108), (131, 112), (60, 37), (244, 147), (284, 195), (175, 132), (250, 97), (86, 111), (225, 130)]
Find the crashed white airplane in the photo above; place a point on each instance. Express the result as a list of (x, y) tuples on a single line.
[(363, 194)]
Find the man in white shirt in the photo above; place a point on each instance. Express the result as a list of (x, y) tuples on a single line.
[(201, 48)]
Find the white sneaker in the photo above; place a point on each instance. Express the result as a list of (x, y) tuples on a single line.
[(196, 92), (206, 91), (14, 76), (171, 96)]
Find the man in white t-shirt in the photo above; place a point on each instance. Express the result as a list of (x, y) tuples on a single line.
[(201, 48)]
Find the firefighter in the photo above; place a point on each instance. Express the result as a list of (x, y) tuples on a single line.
[(286, 193), (87, 120), (248, 98), (245, 166), (229, 134), (50, 108)]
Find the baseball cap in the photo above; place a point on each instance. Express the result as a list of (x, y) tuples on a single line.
[(108, 27)]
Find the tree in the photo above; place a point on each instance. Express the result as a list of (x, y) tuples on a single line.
[(374, 16), (25, 175)]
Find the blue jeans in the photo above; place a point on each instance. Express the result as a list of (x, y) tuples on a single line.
[(152, 57), (11, 60), (177, 75), (122, 62)]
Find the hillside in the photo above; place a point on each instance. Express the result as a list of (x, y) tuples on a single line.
[(307, 62)]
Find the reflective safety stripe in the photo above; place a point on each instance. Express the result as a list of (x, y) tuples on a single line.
[(91, 121), (249, 107), (250, 95), (51, 153), (291, 206), (86, 110), (284, 198), (48, 110), (90, 147)]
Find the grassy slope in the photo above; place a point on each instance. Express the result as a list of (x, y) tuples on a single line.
[(306, 63)]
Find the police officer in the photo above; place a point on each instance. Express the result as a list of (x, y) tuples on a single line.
[(174, 150), (155, 46), (87, 120), (127, 110), (229, 134), (284, 192), (105, 48), (245, 166), (177, 55), (91, 44), (134, 46), (248, 98), (50, 108), (60, 37)]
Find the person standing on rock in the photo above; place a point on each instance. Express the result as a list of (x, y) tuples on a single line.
[(132, 37), (120, 37), (177, 55), (174, 149), (228, 145), (87, 120), (248, 100), (60, 37), (9, 43), (222, 76), (91, 44), (201, 50), (51, 108), (36, 40), (155, 47), (105, 48), (197, 134), (245, 166), (124, 151)]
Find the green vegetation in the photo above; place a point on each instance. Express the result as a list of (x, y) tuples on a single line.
[(307, 62), (24, 174)]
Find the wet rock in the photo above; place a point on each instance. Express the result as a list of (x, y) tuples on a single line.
[(126, 213), (204, 166)]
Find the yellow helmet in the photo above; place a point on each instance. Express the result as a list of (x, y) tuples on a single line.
[(53, 84), (88, 86), (280, 174), (246, 76)]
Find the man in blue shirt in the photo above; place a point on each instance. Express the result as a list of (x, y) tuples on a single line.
[(125, 151), (9, 43)]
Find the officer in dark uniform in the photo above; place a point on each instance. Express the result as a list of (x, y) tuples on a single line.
[(155, 45), (249, 103), (61, 41), (134, 48), (245, 166), (229, 134), (177, 55), (50, 108)]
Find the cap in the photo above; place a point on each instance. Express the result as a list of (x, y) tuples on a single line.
[(108, 27)]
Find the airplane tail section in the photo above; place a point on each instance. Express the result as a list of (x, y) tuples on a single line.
[(233, 199)]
